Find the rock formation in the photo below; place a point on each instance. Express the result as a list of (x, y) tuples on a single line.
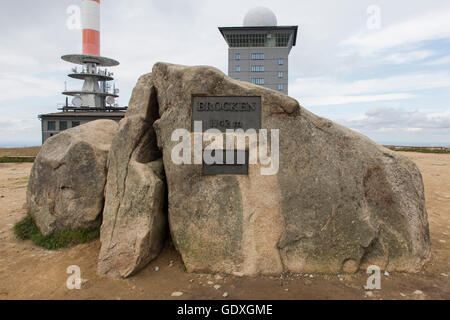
[(134, 223), (65, 190), (338, 203)]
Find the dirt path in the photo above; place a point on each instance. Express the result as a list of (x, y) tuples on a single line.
[(30, 272)]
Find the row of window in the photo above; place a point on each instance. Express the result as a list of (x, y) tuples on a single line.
[(51, 125), (258, 40), (260, 69), (257, 68), (258, 56), (260, 81)]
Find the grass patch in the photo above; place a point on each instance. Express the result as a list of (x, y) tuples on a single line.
[(26, 229), (420, 149), (16, 159)]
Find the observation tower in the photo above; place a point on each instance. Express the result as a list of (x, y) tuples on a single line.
[(258, 51), (97, 97)]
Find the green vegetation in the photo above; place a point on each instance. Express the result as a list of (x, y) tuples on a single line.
[(18, 155), (420, 149), (16, 159), (27, 229)]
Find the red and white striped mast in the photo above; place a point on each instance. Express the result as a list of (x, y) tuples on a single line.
[(92, 97), (90, 17)]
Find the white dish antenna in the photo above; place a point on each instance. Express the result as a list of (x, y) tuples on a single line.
[(77, 101), (110, 100)]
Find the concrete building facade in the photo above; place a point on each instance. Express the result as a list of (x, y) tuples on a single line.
[(259, 51), (53, 123)]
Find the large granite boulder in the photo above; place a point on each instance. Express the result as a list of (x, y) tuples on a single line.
[(134, 221), (66, 185), (338, 203)]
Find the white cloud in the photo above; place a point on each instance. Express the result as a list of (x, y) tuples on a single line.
[(408, 57), (336, 100), (430, 26), (139, 33), (20, 86), (440, 61), (384, 119), (323, 90), (19, 132), (413, 129)]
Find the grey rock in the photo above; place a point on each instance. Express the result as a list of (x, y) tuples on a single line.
[(339, 203), (176, 294), (134, 222), (67, 180)]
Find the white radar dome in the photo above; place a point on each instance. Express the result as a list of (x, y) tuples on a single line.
[(260, 17)]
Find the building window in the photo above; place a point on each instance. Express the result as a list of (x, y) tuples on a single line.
[(280, 87), (257, 68), (258, 40), (257, 56), (238, 68), (238, 79), (51, 125), (280, 62), (280, 74), (62, 125), (258, 81), (75, 124), (238, 56)]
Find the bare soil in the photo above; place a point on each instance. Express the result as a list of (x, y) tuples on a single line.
[(30, 272)]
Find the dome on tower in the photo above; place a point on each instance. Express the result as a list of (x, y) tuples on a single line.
[(260, 17)]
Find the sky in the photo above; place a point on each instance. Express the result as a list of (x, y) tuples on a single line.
[(381, 68)]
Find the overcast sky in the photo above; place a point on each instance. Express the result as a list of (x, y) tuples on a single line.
[(387, 80)]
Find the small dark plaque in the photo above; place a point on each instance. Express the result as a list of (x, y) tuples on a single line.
[(224, 113), (224, 168)]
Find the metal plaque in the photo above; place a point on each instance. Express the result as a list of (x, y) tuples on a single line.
[(228, 168), (224, 113)]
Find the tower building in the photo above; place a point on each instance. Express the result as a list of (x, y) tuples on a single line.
[(96, 99), (259, 50)]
